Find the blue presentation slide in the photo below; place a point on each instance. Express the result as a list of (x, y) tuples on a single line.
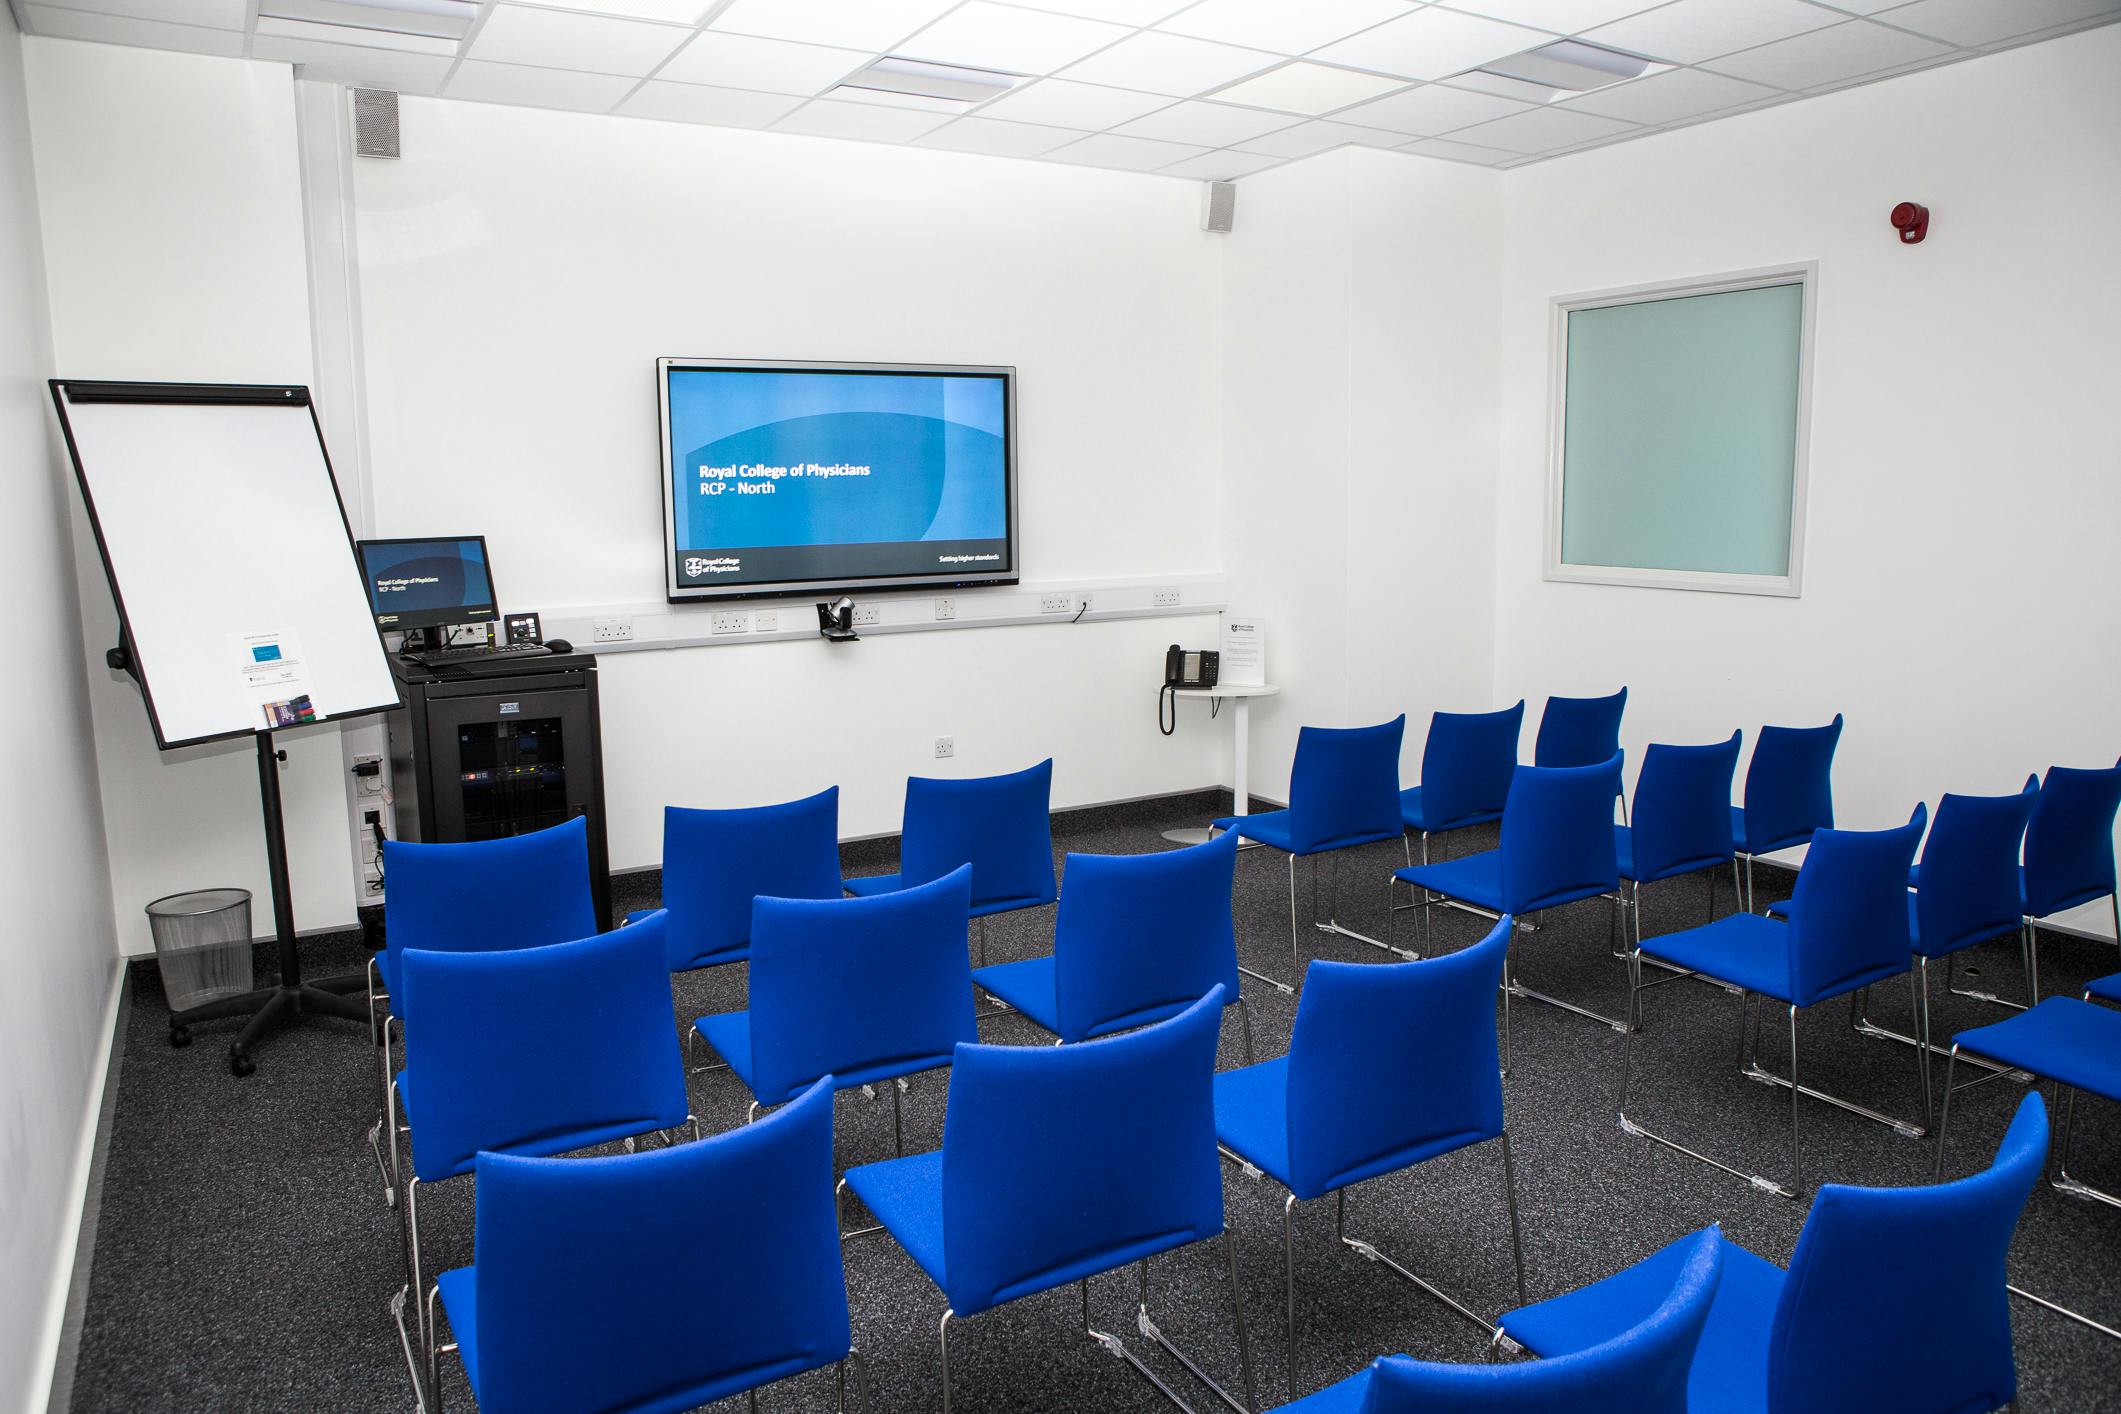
[(784, 464), (421, 577)]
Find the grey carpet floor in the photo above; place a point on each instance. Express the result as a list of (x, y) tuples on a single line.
[(244, 1258)]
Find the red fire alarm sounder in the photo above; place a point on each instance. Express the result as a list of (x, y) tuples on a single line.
[(1912, 220)]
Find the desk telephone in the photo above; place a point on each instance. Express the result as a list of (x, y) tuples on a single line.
[(1183, 668)]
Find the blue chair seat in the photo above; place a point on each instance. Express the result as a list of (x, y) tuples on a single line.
[(2062, 1038), (1472, 878), (1412, 811), (2107, 988), (1747, 951), (729, 1032), (1252, 1115), (870, 885), (460, 1298), (1730, 1371), (1624, 849), (1027, 985), (740, 953), (906, 1196), (1272, 827), (1746, 845), (1784, 909), (1344, 1397)]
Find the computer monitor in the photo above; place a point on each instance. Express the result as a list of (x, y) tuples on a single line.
[(428, 583)]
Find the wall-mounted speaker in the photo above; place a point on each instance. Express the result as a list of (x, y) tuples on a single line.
[(1218, 210), (375, 118)]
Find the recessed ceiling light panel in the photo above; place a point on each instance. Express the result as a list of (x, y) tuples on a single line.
[(428, 19), (1305, 87), (1572, 65), (921, 79)]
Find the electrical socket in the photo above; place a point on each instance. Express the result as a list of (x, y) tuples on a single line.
[(369, 785), (866, 614), (945, 747), (1164, 598), (946, 608), (766, 620), (612, 630), (1083, 602), (1056, 603), (730, 621)]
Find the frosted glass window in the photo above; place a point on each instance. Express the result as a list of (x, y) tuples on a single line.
[(1680, 435)]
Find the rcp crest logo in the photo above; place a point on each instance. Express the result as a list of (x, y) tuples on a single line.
[(695, 566)]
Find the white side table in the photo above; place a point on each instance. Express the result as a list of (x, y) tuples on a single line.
[(1240, 697)]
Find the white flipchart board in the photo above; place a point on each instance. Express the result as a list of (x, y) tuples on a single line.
[(229, 554)]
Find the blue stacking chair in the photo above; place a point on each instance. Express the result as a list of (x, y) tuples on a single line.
[(1557, 847), (861, 989), (1387, 1066), (1789, 792), (2069, 849), (485, 1070), (654, 1282), (1641, 1370), (715, 862), (1683, 800), (1000, 825), (1848, 929), (526, 891), (2072, 1041), (1062, 1162), (1893, 1303), (1138, 938), (1343, 792), (1466, 765), (1579, 731)]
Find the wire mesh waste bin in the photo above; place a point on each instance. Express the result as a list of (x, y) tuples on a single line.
[(202, 943)]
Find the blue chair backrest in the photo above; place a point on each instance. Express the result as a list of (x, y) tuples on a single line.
[(1895, 1298), (1579, 731), (1344, 785), (715, 862), (1848, 915), (1466, 764), (1557, 834), (522, 892), (1789, 785), (1060, 1162), (538, 1050), (1970, 887), (2069, 841), (664, 1279), (1000, 825), (1140, 937), (1682, 818), (1391, 1064), (849, 984), (1643, 1370)]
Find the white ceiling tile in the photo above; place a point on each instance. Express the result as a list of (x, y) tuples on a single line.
[(354, 64), (769, 65), (826, 117), (1304, 87), (676, 12), (1125, 12), (1429, 44), (214, 14), (981, 35), (1170, 63), (1307, 138), (1135, 154), (1670, 96), (695, 103), (1460, 152), (875, 25), (1062, 104), (1207, 124), (536, 88), (1281, 26), (1860, 7), (1828, 56), (1542, 130), (1432, 109), (1969, 23), (998, 139), (1692, 30), (554, 39), (119, 29), (1560, 16), (1220, 166)]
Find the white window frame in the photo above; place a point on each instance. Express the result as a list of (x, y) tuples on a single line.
[(1804, 274)]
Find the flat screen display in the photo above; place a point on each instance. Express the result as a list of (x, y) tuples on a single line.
[(785, 478), (428, 583)]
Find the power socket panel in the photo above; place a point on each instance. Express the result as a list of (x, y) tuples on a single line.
[(618, 629), (945, 608), (766, 621), (730, 621), (1056, 603), (1164, 598), (866, 614), (945, 747)]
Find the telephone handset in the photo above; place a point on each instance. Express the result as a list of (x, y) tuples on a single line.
[(1183, 668)]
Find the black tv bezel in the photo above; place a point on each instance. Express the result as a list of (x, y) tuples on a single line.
[(485, 613), (813, 588)]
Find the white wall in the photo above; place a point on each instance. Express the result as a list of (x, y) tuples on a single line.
[(521, 270), (61, 958), (1359, 434), (1960, 580), (172, 225)]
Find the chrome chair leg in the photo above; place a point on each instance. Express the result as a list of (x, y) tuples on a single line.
[(434, 1354), (1288, 1279), (1244, 1018), (1796, 1094), (1509, 1194), (946, 1349)]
